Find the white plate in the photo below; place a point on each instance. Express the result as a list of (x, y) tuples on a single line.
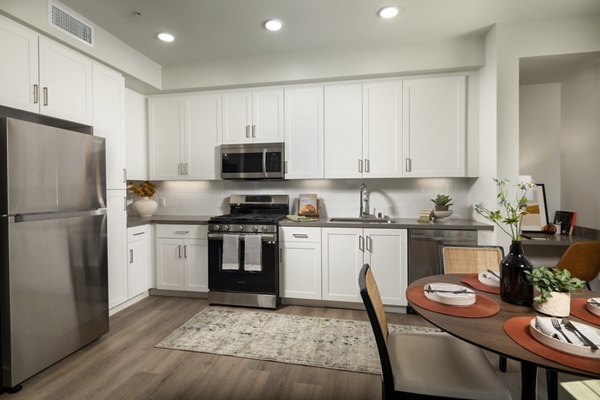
[(584, 351), (453, 299), (594, 309), (488, 279)]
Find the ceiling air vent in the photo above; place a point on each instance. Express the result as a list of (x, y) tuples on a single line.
[(63, 19)]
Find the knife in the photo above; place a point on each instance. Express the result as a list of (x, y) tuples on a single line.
[(465, 291), (493, 273), (567, 324)]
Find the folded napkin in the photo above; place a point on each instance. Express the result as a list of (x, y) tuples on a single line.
[(301, 218), (544, 325)]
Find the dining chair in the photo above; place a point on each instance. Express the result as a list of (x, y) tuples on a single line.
[(582, 260), (457, 259), (426, 365)]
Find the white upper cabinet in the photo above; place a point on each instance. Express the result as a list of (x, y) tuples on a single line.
[(136, 136), (42, 76), (19, 66), (304, 132), (202, 136), (109, 122), (184, 135), (382, 129), (165, 134), (343, 130), (253, 116), (434, 126), (65, 83)]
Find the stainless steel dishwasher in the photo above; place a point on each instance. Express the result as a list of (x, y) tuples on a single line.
[(424, 249)]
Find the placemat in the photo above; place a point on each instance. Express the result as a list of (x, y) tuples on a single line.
[(517, 328), (473, 281), (579, 310), (483, 307)]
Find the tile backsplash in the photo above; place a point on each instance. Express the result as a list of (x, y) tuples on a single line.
[(401, 198)]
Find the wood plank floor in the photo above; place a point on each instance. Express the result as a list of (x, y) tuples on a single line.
[(124, 364)]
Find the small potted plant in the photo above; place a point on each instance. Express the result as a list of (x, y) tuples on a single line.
[(145, 207), (442, 204), (552, 289)]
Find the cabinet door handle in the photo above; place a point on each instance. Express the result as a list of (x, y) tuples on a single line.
[(179, 169), (367, 165), (185, 251), (369, 244), (130, 256), (361, 243), (248, 131), (285, 167), (300, 235), (187, 168), (124, 203), (408, 165), (125, 175), (45, 91), (360, 165), (253, 131), (179, 251), (36, 93)]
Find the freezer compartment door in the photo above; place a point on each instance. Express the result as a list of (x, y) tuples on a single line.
[(55, 291), (50, 169)]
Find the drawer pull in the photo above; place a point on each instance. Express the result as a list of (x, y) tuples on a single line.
[(182, 232), (139, 233), (300, 235)]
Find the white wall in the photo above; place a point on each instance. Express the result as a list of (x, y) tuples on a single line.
[(402, 198), (580, 146), (448, 55), (107, 48), (539, 139)]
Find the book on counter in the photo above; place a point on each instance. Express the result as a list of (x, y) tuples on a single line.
[(566, 219), (308, 205)]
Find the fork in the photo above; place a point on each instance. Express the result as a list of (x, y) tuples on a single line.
[(556, 325)]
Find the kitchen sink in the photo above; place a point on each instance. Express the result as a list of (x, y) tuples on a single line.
[(363, 220)]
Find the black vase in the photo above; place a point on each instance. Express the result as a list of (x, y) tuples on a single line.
[(514, 286)]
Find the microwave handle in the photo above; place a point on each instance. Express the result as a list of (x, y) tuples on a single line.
[(265, 162)]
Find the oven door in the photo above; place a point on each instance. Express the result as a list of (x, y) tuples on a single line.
[(252, 161), (265, 281)]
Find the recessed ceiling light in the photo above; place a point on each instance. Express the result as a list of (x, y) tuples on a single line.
[(166, 37), (389, 12), (273, 25)]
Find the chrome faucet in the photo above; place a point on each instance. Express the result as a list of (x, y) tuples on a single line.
[(364, 202)]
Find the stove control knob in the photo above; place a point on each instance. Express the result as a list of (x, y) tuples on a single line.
[(216, 227), (226, 227), (255, 228), (240, 228), (263, 228)]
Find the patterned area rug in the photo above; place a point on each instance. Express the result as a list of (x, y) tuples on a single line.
[(318, 342)]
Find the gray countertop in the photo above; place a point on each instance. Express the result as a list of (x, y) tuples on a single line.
[(399, 223)]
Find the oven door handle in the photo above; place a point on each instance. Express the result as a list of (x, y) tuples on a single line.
[(265, 162), (219, 236)]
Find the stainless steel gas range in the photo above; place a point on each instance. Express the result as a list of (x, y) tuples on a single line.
[(243, 251)]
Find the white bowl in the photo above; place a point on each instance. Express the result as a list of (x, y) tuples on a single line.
[(584, 351), (488, 279), (594, 309), (453, 299)]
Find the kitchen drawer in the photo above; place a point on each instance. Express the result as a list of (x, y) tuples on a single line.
[(137, 233), (181, 231), (300, 234)]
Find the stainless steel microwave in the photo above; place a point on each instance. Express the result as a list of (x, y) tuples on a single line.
[(253, 161)]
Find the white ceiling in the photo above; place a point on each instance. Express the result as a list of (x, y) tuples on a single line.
[(221, 29)]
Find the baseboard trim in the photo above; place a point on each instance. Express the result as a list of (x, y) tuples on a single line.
[(128, 303), (337, 304), (178, 293)]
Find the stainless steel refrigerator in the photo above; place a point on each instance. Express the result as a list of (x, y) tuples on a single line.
[(53, 255)]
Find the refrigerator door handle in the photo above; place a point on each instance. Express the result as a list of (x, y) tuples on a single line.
[(57, 215)]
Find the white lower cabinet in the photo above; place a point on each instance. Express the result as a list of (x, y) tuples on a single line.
[(345, 250), (138, 262), (182, 257), (300, 273)]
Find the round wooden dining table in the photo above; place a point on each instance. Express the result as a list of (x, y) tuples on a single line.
[(488, 333)]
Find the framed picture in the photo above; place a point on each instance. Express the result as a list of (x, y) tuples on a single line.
[(537, 213)]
